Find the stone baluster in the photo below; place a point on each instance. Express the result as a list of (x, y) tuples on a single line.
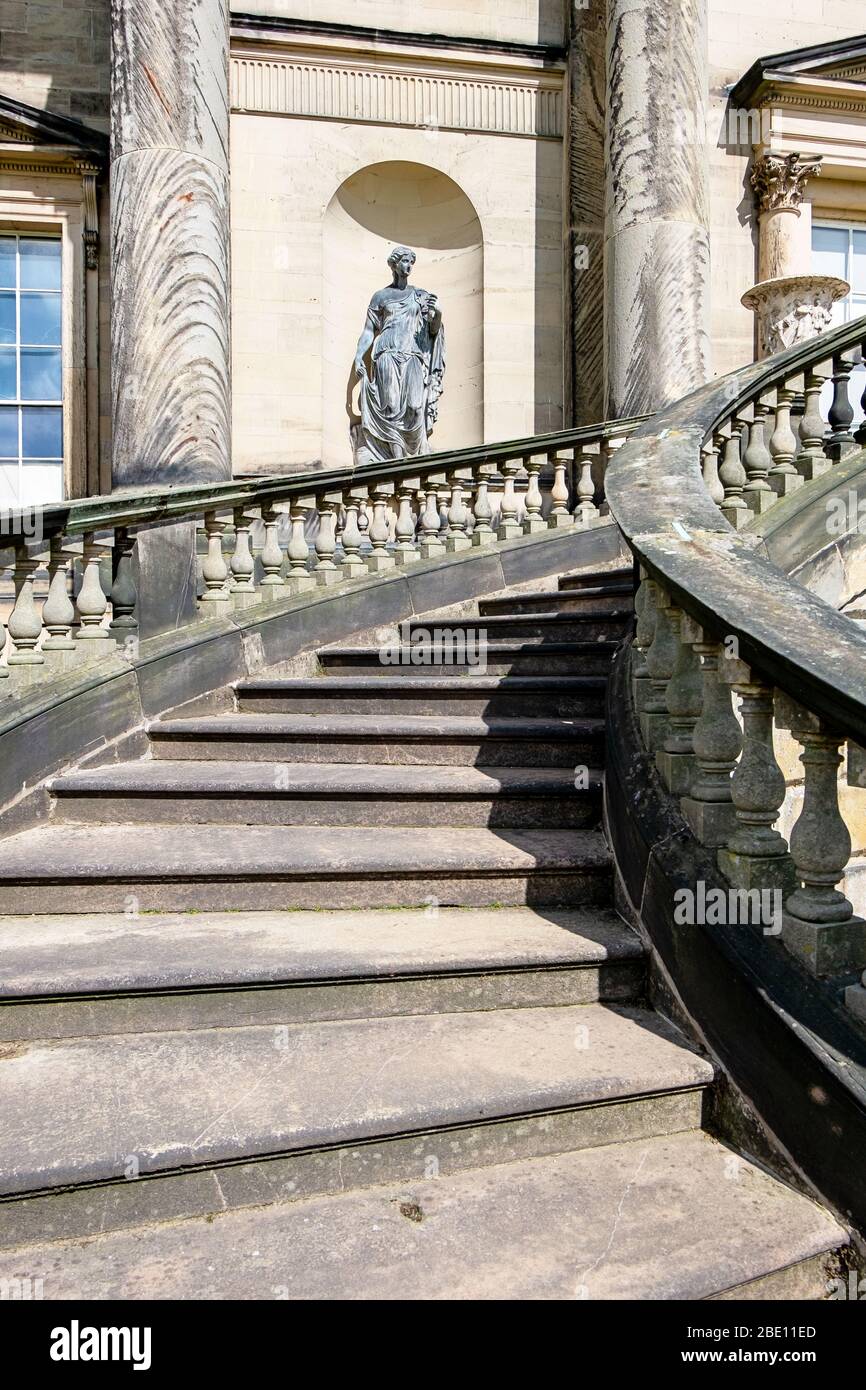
[(457, 539), (645, 626), (860, 432), (299, 579), (92, 602), (272, 554), (124, 623), (756, 854), (732, 475), (757, 460), (405, 547), (660, 659), (326, 570), (533, 521), (841, 412), (819, 923), (716, 742), (58, 610), (214, 569), (380, 559), (4, 669), (353, 563), (432, 545), (559, 514), (812, 460), (586, 513), (710, 470), (25, 623), (364, 525), (483, 533), (675, 759), (242, 587), (783, 445), (509, 527)]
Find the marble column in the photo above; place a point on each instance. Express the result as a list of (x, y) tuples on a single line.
[(657, 204), (170, 332), (790, 304)]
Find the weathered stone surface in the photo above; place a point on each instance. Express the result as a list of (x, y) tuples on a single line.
[(657, 247), (317, 1084), (631, 1235), (171, 399)]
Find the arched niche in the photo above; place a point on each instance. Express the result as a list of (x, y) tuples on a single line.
[(375, 209)]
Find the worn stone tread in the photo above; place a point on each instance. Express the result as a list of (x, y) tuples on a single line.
[(74, 1110), (437, 685), (146, 852), (237, 779), (407, 727), (71, 955), (651, 1219)]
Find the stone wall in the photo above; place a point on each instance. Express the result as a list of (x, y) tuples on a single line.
[(55, 56), (739, 33), (512, 21)]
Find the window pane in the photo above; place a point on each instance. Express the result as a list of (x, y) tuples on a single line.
[(40, 263), (830, 251), (40, 318), (41, 432), (40, 374), (9, 431), (41, 481), (7, 318), (7, 261), (858, 268), (8, 384)]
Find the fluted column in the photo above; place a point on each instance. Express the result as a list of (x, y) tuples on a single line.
[(170, 365), (657, 204)]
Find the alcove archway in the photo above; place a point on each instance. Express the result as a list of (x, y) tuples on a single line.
[(375, 209)]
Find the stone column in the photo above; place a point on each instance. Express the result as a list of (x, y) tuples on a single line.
[(657, 204), (170, 366), (790, 304)]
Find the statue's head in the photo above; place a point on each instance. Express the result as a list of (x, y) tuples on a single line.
[(402, 258)]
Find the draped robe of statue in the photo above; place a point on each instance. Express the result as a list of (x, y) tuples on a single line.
[(399, 399)]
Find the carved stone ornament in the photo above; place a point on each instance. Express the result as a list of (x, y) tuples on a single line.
[(779, 181), (793, 309)]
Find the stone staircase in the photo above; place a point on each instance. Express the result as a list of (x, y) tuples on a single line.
[(326, 998)]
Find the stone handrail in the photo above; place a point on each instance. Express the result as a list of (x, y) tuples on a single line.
[(716, 618), (315, 528)]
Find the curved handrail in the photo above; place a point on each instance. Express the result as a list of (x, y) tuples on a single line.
[(657, 496), (163, 502)]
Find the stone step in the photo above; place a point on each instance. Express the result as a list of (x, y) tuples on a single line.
[(539, 627), (257, 793), (397, 739), (591, 579), (178, 868), (63, 977), (611, 1223), (554, 696), (613, 599), (319, 1105), (497, 658)]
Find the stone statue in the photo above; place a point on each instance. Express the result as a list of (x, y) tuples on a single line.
[(400, 396)]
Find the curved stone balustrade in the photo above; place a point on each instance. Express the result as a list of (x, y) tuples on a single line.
[(721, 626), (262, 540)]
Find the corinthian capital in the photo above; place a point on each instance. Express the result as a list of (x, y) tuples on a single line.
[(779, 181)]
